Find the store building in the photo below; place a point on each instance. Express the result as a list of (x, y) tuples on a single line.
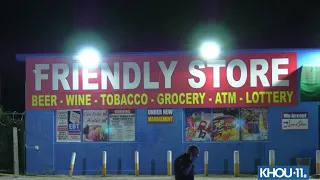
[(250, 101)]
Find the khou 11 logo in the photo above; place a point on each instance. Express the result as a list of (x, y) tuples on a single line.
[(283, 172)]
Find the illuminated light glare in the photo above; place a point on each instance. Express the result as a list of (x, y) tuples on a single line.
[(210, 50), (89, 57)]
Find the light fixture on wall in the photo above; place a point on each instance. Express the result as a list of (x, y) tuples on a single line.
[(88, 57), (210, 50)]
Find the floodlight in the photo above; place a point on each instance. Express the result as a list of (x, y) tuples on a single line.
[(89, 57), (210, 50)]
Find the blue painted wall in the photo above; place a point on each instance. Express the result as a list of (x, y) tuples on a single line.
[(153, 141)]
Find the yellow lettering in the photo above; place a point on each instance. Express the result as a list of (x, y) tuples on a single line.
[(248, 100), (34, 101), (218, 98), (124, 99), (182, 98), (175, 98), (44, 100), (270, 96), (167, 98), (160, 98), (269, 93), (103, 97), (283, 96), (88, 100), (188, 98), (275, 96), (116, 99), (255, 97), (109, 99), (78, 99), (289, 94), (262, 93), (136, 99), (195, 99), (202, 96), (160, 119), (232, 97), (144, 99), (226, 97), (130, 99)]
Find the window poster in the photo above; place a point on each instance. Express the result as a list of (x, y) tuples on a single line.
[(254, 123), (310, 83), (122, 125), (225, 124), (95, 125), (198, 124), (68, 126)]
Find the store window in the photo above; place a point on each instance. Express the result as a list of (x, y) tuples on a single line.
[(96, 125), (226, 124)]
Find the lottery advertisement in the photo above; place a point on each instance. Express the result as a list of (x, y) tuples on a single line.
[(68, 125), (212, 124), (198, 124), (95, 125), (254, 122), (225, 125)]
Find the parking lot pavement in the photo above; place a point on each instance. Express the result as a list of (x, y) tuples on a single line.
[(222, 177)]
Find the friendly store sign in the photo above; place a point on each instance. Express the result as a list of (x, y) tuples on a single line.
[(168, 81)]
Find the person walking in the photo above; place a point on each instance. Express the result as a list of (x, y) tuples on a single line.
[(183, 165)]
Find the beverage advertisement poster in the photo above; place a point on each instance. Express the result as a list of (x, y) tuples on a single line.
[(254, 123), (68, 126), (198, 124), (95, 125), (310, 83), (225, 125), (122, 125)]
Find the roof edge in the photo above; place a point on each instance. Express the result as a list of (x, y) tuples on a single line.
[(23, 57)]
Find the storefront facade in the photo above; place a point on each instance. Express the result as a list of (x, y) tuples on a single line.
[(248, 101)]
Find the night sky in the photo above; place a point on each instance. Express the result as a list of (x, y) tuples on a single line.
[(62, 26)]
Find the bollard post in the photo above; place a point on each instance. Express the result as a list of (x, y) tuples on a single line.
[(236, 162), (318, 162), (15, 151), (104, 163), (136, 159), (169, 163), (206, 161), (272, 160), (73, 159)]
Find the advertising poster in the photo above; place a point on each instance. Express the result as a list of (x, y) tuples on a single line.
[(68, 126), (225, 125), (198, 124), (122, 125), (160, 115), (95, 125), (295, 121), (254, 124), (310, 83)]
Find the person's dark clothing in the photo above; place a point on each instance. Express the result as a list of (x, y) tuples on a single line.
[(180, 164)]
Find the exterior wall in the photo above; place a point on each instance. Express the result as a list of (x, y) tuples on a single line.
[(153, 141)]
